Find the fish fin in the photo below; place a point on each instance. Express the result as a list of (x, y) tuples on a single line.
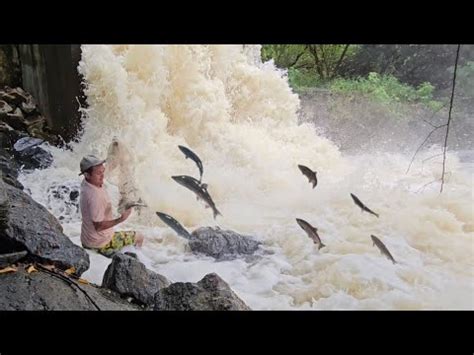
[(204, 186), (217, 213)]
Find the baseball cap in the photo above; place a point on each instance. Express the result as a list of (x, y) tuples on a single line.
[(89, 161)]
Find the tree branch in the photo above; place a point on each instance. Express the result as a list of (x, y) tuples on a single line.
[(449, 119), (339, 61), (421, 145), (69, 282), (298, 57)]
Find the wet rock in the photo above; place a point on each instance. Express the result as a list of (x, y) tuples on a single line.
[(222, 244), (210, 294), (27, 225), (130, 278)]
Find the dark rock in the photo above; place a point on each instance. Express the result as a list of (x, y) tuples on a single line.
[(222, 244), (29, 105), (28, 153), (14, 119), (10, 258), (27, 225), (210, 294), (73, 195), (5, 141), (5, 107), (15, 96), (130, 278), (43, 291), (11, 135), (9, 169)]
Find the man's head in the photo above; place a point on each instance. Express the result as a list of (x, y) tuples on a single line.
[(93, 169)]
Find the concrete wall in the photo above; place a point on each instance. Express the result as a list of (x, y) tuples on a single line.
[(49, 73)]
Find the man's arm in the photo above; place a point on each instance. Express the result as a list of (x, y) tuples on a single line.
[(100, 226)]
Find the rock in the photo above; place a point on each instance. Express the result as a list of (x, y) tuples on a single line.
[(14, 119), (10, 258), (210, 294), (37, 121), (9, 169), (221, 244), (130, 278), (7, 97), (10, 180), (8, 165), (11, 134), (5, 107), (15, 96), (43, 291), (5, 141), (27, 225), (28, 106), (28, 153), (26, 143)]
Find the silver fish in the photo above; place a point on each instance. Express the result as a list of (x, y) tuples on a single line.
[(193, 156), (362, 206), (311, 231), (199, 189), (310, 174), (376, 241), (174, 224)]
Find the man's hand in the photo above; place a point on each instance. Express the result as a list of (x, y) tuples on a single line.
[(100, 226), (125, 214)]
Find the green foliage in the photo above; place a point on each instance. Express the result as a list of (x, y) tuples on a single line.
[(387, 89), (323, 59), (327, 59), (302, 78), (322, 66), (464, 80), (284, 55)]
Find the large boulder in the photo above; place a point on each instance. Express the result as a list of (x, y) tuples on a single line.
[(27, 225), (130, 278), (9, 169), (222, 244), (43, 291), (30, 155), (8, 135), (10, 258), (5, 107), (210, 294), (14, 119)]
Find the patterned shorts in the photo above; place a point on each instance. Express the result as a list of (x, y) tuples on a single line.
[(118, 241)]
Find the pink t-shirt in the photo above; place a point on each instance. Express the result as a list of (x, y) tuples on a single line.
[(95, 207)]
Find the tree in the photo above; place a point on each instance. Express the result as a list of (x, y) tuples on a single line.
[(323, 59)]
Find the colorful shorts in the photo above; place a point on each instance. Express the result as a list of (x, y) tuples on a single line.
[(118, 241)]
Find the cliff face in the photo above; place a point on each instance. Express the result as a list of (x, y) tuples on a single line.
[(10, 66), (49, 73)]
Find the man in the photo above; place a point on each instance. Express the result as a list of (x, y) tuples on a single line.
[(96, 210)]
